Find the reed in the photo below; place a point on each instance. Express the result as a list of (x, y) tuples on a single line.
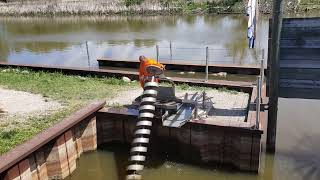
[(82, 7)]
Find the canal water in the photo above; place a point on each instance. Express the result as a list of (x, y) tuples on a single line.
[(297, 155), (78, 42)]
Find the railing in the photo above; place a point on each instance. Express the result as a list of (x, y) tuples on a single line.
[(177, 54), (206, 59), (200, 56)]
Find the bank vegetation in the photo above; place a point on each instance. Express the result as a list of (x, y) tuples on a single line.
[(107, 7)]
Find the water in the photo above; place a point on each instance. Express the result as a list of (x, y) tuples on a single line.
[(62, 41), (297, 156)]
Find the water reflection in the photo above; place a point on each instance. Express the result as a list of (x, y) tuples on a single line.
[(124, 37), (236, 47), (40, 47)]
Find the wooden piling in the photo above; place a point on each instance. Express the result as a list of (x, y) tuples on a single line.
[(274, 75)]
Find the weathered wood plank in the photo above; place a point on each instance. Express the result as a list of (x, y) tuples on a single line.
[(300, 43), (300, 54), (304, 93), (293, 83), (309, 64), (300, 73), (301, 22), (300, 32)]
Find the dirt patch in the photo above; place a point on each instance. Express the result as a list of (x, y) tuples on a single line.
[(23, 104), (124, 97)]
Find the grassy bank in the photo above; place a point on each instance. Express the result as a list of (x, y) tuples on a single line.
[(107, 7), (146, 7), (73, 92)]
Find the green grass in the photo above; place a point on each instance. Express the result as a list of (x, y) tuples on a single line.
[(73, 92), (12, 135), (133, 2)]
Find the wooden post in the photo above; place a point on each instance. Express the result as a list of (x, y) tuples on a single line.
[(274, 75)]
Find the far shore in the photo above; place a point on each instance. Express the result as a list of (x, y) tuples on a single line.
[(120, 7)]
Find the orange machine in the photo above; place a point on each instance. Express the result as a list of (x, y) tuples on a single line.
[(149, 68)]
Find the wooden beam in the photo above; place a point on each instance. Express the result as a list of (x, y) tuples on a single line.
[(274, 75)]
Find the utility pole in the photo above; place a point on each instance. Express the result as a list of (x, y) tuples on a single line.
[(274, 75)]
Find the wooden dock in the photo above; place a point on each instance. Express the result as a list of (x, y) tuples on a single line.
[(133, 75), (213, 140), (182, 66), (229, 140)]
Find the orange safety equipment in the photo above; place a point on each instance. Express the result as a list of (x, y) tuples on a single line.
[(143, 71)]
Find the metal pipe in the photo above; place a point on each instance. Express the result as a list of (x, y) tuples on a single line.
[(157, 49), (143, 131), (207, 64), (88, 53), (258, 102), (262, 66), (170, 50)]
